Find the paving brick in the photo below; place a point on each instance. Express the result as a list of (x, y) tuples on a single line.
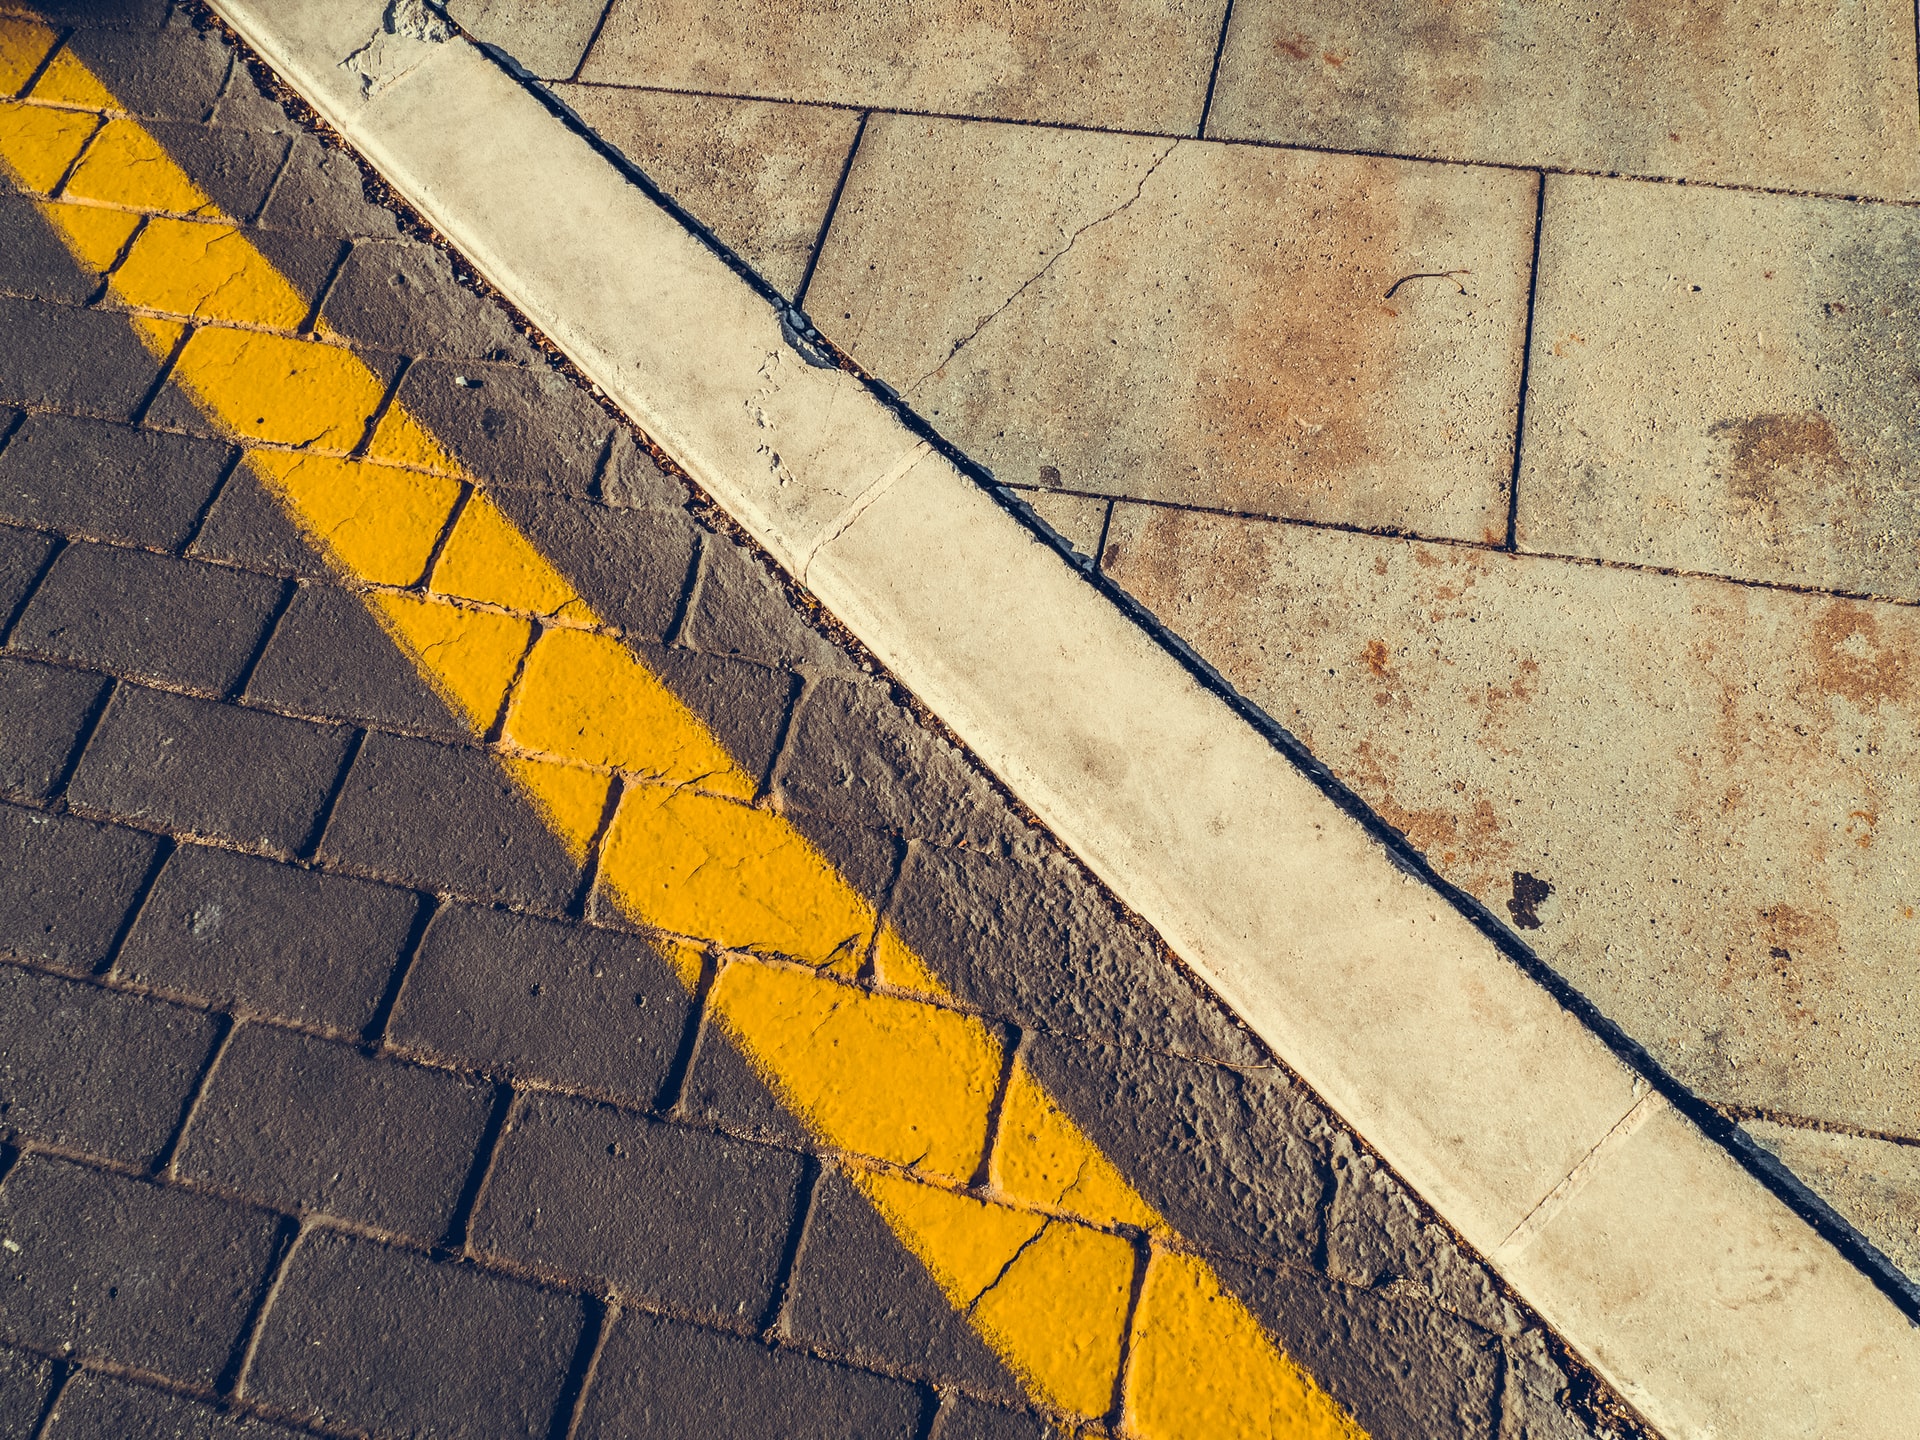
[(247, 526), (98, 1407), (518, 428), (131, 14), (1534, 1396), (1118, 301), (547, 39), (234, 168), (745, 705), (1404, 1371), (34, 261), (758, 174), (187, 764), (24, 1382), (173, 75), (367, 1337), (659, 1381), (964, 1419), (309, 1125), (722, 1089), (321, 191), (84, 360), (110, 482), (174, 408), (855, 758), (66, 885), (329, 656), (668, 1215), (94, 1070), (404, 296), (307, 261), (1033, 942), (1235, 1159), (446, 816), (151, 615), (42, 711), (1796, 98), (631, 565), (740, 609), (155, 1278), (269, 939), (1122, 63), (535, 999), (1724, 382), (857, 1291), (22, 557)]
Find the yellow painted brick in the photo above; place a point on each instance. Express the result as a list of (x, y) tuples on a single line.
[(68, 82), (375, 523), (1043, 1158), (279, 389), (160, 335), (205, 270), (1202, 1368), (895, 964), (1049, 1296), (470, 655), (125, 165), (586, 697), (488, 559), (870, 1074), (699, 865), (402, 440), (23, 45), (95, 233), (38, 144), (570, 799), (685, 959)]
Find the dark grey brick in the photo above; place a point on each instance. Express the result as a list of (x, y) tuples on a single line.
[(1404, 1371), (329, 656), (446, 816), (661, 1381), (744, 704), (321, 192), (856, 759), (405, 296), (1235, 1159), (110, 482), (1036, 942), (306, 1124), (858, 1291), (966, 1419), (247, 526), (22, 556), (517, 428), (194, 765), (174, 75), (678, 1217), (69, 359), (24, 1382), (244, 106), (148, 14), (630, 565), (269, 939), (722, 1089), (235, 168), (307, 261), (156, 1278), (366, 1337), (740, 609), (66, 885), (631, 479), (93, 1070), (567, 1004), (34, 261), (42, 710), (98, 1407), (153, 615)]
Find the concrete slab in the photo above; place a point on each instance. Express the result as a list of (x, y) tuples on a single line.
[(1800, 96), (1326, 337), (1726, 382), (1874, 1182)]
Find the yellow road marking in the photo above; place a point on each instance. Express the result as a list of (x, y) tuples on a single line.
[(898, 1079)]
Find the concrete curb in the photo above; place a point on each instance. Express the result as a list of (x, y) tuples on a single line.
[(1712, 1305)]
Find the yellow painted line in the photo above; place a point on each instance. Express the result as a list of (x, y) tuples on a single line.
[(1042, 1256)]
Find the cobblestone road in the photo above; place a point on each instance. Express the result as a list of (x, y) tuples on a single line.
[(483, 959)]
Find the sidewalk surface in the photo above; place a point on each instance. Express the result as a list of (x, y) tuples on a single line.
[(1519, 406), (483, 957)]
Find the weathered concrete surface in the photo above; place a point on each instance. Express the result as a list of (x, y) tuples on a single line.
[(1123, 64), (1696, 800), (1726, 382), (1804, 95), (548, 37), (1325, 337), (759, 174), (1875, 1183)]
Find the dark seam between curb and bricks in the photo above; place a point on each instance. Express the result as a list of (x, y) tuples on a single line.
[(1008, 845)]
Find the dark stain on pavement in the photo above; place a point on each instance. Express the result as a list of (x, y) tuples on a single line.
[(1530, 892)]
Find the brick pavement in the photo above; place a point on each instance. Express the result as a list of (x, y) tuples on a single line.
[(340, 1093)]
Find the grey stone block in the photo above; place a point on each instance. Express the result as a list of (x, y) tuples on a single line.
[(176, 74), (321, 192), (514, 427), (25, 1381), (740, 609), (93, 1406), (404, 296), (248, 527), (965, 1419), (58, 357), (42, 711), (22, 557), (66, 885), (235, 168), (35, 262), (108, 482), (721, 1089), (631, 566)]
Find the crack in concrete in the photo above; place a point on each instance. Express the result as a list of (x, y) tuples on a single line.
[(1006, 1269)]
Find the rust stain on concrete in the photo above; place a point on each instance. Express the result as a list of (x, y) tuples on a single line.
[(1853, 662)]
